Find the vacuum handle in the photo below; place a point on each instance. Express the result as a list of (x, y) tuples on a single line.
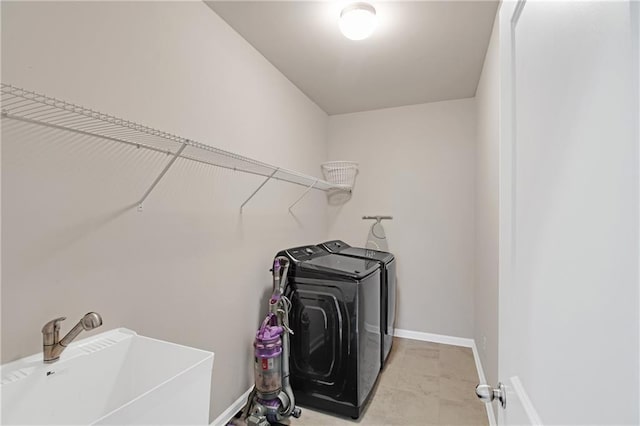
[(280, 271)]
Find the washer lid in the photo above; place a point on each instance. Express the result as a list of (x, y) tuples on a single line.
[(335, 246), (342, 265), (381, 256)]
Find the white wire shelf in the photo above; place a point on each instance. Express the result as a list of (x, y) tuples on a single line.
[(31, 107)]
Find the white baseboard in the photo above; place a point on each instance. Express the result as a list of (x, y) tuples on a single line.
[(455, 341), (231, 411), (435, 338)]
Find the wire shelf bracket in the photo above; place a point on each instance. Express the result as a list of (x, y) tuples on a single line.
[(258, 189), (160, 176), (302, 196), (34, 108)]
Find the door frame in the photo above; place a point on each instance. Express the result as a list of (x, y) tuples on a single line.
[(510, 12), (635, 26)]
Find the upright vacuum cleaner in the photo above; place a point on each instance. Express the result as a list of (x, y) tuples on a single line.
[(271, 399)]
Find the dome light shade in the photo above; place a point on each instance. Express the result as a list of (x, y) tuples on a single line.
[(357, 21)]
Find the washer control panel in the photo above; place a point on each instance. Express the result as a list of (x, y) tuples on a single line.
[(335, 246), (301, 254)]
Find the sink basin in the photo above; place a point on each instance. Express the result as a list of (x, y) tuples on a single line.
[(116, 377)]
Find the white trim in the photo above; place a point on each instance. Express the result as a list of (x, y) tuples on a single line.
[(635, 25), (231, 411), (523, 396), (482, 379), (436, 338)]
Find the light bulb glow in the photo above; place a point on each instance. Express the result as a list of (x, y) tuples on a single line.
[(357, 21)]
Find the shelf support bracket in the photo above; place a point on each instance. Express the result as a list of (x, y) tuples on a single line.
[(161, 175), (303, 195), (259, 188)]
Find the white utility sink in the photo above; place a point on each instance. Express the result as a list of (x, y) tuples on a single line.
[(116, 377)]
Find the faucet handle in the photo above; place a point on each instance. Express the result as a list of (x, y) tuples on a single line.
[(52, 328)]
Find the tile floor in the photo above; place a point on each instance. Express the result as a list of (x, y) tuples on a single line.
[(423, 384)]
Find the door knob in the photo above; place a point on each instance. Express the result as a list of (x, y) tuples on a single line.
[(487, 394)]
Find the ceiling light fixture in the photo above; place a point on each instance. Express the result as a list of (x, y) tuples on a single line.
[(358, 20)]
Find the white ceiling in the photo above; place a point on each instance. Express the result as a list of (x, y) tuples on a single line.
[(421, 51)]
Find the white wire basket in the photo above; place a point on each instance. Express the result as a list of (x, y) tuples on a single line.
[(340, 173)]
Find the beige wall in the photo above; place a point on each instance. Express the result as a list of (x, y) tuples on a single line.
[(417, 164), (188, 269), (487, 152)]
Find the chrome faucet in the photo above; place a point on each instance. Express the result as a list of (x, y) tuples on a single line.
[(52, 346)]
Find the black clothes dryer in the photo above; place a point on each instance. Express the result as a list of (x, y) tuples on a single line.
[(335, 316), (387, 286)]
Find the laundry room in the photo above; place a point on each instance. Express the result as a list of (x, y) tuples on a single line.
[(302, 212)]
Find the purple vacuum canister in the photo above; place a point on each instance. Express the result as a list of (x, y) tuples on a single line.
[(268, 358)]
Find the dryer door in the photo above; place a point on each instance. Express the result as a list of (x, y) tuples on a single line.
[(320, 341)]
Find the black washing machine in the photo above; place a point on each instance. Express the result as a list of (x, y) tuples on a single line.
[(387, 286), (335, 316)]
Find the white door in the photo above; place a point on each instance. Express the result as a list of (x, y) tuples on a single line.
[(569, 217)]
